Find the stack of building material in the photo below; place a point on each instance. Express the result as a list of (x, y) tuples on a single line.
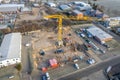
[(44, 69), (53, 63)]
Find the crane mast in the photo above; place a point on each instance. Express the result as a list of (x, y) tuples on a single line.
[(59, 17)]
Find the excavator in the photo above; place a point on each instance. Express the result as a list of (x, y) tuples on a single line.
[(61, 17)]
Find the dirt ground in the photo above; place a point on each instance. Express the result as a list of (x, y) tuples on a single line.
[(95, 76), (45, 40)]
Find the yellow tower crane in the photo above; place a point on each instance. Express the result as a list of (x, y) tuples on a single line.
[(60, 17)]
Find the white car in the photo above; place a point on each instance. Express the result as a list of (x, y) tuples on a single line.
[(47, 75), (77, 66), (27, 45), (91, 61), (10, 77)]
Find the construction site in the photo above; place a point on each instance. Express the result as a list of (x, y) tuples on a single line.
[(60, 39)]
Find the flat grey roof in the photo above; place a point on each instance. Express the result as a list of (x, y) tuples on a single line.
[(11, 46), (95, 31), (10, 7)]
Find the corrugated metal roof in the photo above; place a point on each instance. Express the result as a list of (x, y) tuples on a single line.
[(8, 9), (12, 5), (11, 46), (95, 31)]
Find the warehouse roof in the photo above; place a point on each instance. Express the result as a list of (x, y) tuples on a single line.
[(10, 7), (95, 31), (79, 2), (11, 46)]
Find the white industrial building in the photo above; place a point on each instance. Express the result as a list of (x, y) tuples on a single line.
[(81, 5), (99, 34), (50, 4), (10, 49), (10, 8), (114, 21)]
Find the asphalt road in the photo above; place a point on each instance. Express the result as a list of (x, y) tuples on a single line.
[(92, 69)]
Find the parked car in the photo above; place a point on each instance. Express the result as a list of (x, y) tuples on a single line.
[(81, 57), (42, 52), (10, 77), (91, 61), (27, 45), (59, 51), (82, 35), (76, 66), (44, 77), (102, 51), (75, 60), (47, 75)]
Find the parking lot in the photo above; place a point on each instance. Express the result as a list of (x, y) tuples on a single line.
[(113, 49)]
